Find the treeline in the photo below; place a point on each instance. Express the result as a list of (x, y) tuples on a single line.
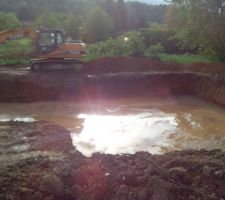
[(93, 20), (199, 25), (128, 28), (190, 27)]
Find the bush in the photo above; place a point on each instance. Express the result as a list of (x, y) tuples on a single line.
[(8, 21), (154, 51), (128, 44), (157, 34), (16, 51)]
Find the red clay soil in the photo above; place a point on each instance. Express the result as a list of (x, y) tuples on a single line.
[(133, 64)]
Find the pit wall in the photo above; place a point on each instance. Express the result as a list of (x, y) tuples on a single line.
[(32, 87)]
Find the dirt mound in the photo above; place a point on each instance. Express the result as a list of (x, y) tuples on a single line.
[(134, 64), (51, 174)]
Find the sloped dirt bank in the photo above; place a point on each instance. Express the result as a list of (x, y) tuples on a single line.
[(38, 162), (107, 77)]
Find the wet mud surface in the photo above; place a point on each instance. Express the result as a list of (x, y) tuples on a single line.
[(38, 160)]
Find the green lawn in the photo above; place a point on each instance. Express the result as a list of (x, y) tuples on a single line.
[(16, 52), (186, 58)]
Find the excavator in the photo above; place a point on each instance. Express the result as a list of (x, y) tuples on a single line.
[(52, 52)]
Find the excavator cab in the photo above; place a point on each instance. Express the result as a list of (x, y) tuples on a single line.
[(48, 40)]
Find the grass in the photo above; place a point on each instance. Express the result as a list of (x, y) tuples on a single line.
[(187, 58), (16, 52)]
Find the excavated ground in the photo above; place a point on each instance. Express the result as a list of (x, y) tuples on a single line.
[(111, 77), (39, 162)]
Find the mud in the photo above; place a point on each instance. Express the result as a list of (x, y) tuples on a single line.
[(41, 164), (38, 160)]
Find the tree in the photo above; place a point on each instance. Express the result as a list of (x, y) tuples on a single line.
[(8, 21), (48, 20), (202, 25), (98, 25), (72, 25), (121, 21)]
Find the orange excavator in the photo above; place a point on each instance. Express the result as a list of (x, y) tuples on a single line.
[(52, 52)]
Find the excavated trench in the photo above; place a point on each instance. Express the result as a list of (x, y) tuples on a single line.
[(38, 157)]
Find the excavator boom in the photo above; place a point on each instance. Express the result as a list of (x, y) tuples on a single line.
[(17, 33)]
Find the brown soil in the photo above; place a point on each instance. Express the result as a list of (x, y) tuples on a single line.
[(50, 169), (132, 64), (113, 77)]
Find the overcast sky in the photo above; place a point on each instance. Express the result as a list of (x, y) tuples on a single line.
[(150, 1)]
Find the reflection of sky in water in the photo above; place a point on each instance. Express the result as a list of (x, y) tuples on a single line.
[(130, 125), (124, 133), (7, 118)]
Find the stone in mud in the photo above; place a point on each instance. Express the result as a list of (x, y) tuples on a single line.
[(178, 173), (52, 184), (220, 174)]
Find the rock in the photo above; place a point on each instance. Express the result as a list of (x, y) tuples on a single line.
[(207, 171), (52, 184), (219, 174), (177, 173)]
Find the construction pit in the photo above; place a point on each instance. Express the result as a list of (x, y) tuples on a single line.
[(126, 129)]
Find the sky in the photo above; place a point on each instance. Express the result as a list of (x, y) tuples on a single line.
[(151, 1)]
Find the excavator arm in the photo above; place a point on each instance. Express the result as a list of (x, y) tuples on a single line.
[(17, 33)]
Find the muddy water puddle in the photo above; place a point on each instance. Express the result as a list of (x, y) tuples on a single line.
[(130, 125)]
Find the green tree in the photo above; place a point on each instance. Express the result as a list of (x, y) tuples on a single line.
[(98, 25), (8, 21), (202, 25), (72, 25), (48, 19)]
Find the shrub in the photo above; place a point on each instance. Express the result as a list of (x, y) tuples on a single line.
[(128, 44), (154, 51)]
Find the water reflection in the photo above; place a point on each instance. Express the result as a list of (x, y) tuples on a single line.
[(130, 125), (124, 133)]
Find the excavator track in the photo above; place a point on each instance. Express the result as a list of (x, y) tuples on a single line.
[(58, 65)]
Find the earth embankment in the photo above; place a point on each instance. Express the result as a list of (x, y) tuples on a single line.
[(107, 77)]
